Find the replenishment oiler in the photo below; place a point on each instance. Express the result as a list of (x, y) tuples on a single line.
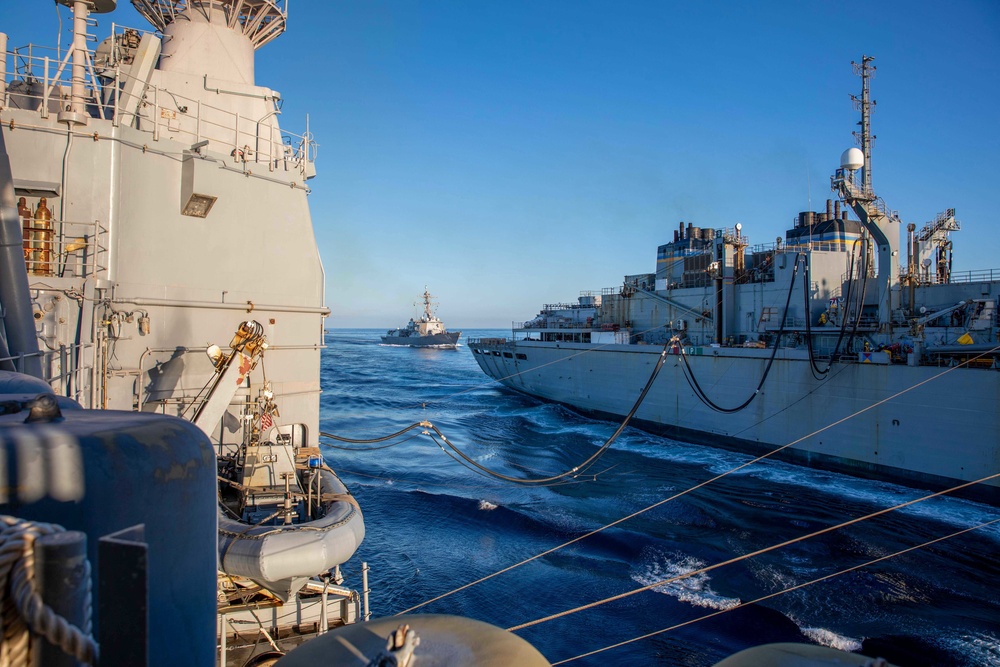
[(823, 345)]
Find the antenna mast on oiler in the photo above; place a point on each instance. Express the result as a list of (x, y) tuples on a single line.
[(865, 105), (881, 222)]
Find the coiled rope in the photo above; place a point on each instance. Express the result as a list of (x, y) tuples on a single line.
[(22, 611)]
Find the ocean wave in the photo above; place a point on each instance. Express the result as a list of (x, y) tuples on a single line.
[(957, 512), (712, 459), (980, 648), (487, 506), (772, 578), (825, 637), (693, 589)]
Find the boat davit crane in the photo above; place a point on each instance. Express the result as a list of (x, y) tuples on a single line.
[(231, 370)]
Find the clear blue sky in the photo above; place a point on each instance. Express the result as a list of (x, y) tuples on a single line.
[(508, 153)]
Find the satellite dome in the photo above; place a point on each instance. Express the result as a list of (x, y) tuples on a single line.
[(852, 159)]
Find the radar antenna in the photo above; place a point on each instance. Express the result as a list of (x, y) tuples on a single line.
[(259, 20), (428, 313)]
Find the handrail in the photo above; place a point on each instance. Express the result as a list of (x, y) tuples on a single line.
[(248, 306), (50, 247), (69, 364), (546, 324), (19, 359), (981, 275), (249, 140), (971, 276)]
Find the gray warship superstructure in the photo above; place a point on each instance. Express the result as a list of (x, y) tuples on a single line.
[(428, 331), (819, 344), (160, 208)]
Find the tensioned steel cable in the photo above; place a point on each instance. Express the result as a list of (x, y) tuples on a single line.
[(758, 552), (781, 592), (695, 487)]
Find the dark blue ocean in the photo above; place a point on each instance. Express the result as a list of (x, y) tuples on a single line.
[(434, 525)]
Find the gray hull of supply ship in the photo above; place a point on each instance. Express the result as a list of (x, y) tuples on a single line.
[(428, 331), (154, 193), (820, 343)]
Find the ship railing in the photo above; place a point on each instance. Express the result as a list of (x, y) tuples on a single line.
[(487, 342), (18, 360), (63, 370), (772, 248), (790, 323), (551, 324), (846, 178), (37, 79), (246, 139), (858, 275), (874, 203), (64, 248), (763, 248), (67, 376), (40, 78), (732, 235), (932, 278), (759, 274), (563, 306), (981, 275), (825, 246), (882, 208)]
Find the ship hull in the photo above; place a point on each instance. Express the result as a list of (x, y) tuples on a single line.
[(929, 426), (447, 339)]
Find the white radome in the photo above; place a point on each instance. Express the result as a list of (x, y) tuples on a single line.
[(852, 159)]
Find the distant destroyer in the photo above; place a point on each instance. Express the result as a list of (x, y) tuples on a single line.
[(428, 331), (820, 344)]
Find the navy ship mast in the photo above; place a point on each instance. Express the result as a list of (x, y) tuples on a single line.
[(878, 220), (865, 104)]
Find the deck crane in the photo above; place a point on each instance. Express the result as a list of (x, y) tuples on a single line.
[(231, 370)]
